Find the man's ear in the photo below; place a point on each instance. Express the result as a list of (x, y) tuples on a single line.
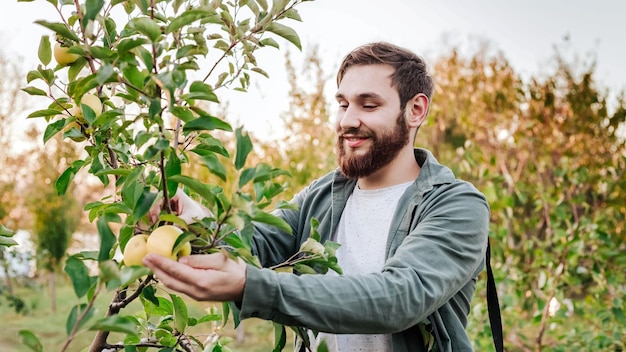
[(417, 110)]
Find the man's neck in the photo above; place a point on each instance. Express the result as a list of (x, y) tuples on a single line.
[(403, 168)]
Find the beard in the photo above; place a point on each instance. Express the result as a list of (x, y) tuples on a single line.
[(385, 147)]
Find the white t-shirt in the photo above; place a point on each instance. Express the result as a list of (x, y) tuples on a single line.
[(362, 233)]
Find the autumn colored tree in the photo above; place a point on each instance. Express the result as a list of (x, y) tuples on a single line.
[(306, 147), (548, 155)]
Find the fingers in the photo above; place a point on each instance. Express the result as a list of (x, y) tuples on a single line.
[(155, 210), (206, 261), (172, 274), (202, 277)]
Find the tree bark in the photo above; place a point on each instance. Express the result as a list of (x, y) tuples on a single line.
[(52, 291)]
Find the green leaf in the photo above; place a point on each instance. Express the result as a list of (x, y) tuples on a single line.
[(269, 42), (144, 203), (162, 307), (76, 68), (64, 181), (225, 313), (33, 75), (128, 44), (105, 72), (7, 242), (130, 274), (183, 113), (92, 7), (149, 293), (280, 337), (35, 91), (181, 240), (201, 91), (267, 218), (180, 313), (44, 113), (6, 232), (206, 123), (618, 313), (286, 32), (72, 318), (45, 51), (147, 27), (203, 190), (30, 340), (107, 240), (246, 176), (116, 323), (304, 269), (260, 71), (263, 4), (209, 318), (185, 19), (209, 145), (52, 129), (244, 147), (173, 167), (79, 275), (60, 29), (322, 347), (215, 166), (292, 14)]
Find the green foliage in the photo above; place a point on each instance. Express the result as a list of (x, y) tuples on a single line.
[(136, 97), (5, 237)]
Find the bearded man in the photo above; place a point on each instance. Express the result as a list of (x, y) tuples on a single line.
[(412, 236)]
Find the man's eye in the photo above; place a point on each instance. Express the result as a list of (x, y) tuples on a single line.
[(369, 107), (343, 105)]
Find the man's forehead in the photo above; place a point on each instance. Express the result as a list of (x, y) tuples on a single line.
[(366, 81)]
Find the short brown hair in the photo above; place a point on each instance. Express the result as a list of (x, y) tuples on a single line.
[(410, 75)]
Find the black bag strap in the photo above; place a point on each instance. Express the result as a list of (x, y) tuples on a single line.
[(493, 306)]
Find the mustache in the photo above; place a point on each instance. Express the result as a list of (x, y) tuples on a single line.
[(360, 132)]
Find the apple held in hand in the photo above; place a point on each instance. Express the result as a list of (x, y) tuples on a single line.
[(135, 250), (162, 240)]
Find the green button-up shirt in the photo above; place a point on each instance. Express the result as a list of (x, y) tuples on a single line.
[(435, 251)]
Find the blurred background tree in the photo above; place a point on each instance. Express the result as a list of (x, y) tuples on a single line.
[(549, 157), (55, 217)]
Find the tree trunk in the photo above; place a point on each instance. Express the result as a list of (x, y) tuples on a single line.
[(52, 291)]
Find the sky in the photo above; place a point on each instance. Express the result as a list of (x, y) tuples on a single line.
[(526, 32)]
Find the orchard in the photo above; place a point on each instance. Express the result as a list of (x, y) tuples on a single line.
[(133, 82)]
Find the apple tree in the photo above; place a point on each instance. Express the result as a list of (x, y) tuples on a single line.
[(132, 82)]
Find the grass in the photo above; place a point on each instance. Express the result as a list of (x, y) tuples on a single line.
[(257, 335)]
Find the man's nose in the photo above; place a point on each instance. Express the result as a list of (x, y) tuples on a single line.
[(349, 119)]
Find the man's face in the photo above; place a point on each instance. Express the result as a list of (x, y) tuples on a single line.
[(371, 127)]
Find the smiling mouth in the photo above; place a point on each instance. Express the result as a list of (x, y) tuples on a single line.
[(354, 141)]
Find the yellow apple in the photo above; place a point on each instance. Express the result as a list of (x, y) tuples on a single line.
[(135, 250), (90, 100), (162, 239), (93, 102), (62, 57)]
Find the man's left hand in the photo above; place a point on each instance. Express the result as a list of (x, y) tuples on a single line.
[(206, 277)]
